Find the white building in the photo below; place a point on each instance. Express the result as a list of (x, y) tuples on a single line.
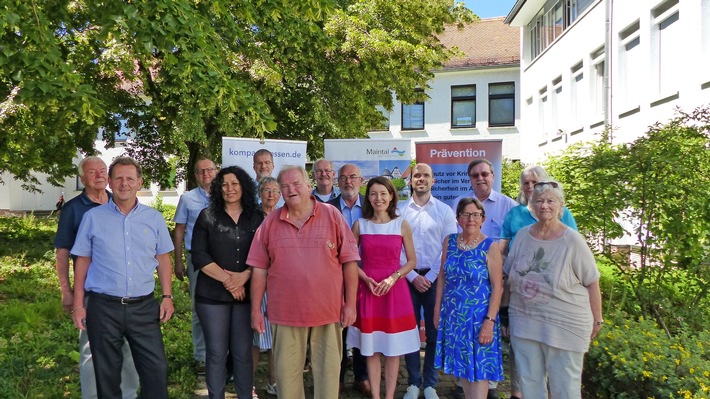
[(588, 64), (13, 197), (473, 97)]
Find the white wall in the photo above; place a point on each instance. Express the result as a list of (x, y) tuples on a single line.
[(13, 197), (437, 110), (644, 87)]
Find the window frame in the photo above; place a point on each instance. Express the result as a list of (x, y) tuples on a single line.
[(464, 98), (505, 96)]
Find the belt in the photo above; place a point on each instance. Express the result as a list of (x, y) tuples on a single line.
[(123, 300), (423, 271)]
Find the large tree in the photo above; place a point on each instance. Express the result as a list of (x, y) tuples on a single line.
[(180, 74)]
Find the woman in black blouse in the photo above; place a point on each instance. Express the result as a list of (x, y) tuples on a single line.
[(220, 243)]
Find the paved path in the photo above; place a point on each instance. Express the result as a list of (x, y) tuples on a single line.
[(445, 388)]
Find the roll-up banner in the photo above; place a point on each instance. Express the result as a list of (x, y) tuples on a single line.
[(240, 152), (449, 162), (380, 157)]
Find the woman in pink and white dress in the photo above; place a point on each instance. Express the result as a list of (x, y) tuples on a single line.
[(385, 324)]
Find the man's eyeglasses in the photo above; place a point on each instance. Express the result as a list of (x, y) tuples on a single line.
[(346, 178), (482, 174), (471, 215), (205, 171), (552, 184), (324, 171)]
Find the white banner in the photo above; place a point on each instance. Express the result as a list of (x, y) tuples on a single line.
[(386, 157), (240, 152)]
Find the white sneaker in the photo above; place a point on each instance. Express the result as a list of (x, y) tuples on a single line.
[(430, 393), (412, 392), (271, 389), (254, 395)]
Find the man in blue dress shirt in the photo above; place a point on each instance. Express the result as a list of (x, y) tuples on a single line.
[(94, 177), (118, 247), (188, 209)]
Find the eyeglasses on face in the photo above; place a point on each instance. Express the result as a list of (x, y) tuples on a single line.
[(552, 184), (273, 191), (346, 178), (324, 171), (205, 171), (482, 174), (471, 215)]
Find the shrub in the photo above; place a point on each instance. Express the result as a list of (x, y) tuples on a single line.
[(167, 210), (635, 359)]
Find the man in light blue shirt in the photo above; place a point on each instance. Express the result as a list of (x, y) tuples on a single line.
[(189, 207), (118, 247)]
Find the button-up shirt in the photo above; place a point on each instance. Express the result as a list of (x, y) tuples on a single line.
[(497, 207), (430, 224), (351, 214), (122, 249), (218, 239), (188, 209)]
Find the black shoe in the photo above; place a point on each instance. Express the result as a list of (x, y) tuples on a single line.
[(493, 394), (199, 367), (458, 393)]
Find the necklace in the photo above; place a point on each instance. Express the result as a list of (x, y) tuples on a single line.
[(469, 246)]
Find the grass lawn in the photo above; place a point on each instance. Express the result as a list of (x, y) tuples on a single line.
[(38, 342)]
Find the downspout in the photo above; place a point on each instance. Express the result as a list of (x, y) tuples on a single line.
[(608, 96)]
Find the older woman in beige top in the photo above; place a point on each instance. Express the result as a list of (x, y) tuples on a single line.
[(554, 299)]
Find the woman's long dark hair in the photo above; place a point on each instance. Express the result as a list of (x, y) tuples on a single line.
[(248, 200), (367, 211)]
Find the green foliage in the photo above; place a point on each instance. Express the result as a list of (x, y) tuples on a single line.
[(655, 190), (181, 74), (38, 341), (634, 359), (510, 179), (167, 210)]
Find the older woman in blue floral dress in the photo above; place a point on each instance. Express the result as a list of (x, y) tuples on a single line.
[(468, 295)]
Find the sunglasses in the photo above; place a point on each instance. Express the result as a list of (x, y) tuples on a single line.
[(482, 174), (552, 184)]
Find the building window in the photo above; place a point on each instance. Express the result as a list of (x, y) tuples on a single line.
[(556, 105), (577, 96), (630, 66), (597, 83), (463, 106), (543, 114), (667, 47), (501, 104), (552, 19), (413, 116)]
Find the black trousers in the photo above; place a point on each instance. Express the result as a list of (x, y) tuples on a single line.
[(108, 321), (228, 332)]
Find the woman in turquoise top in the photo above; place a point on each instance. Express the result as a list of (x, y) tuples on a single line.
[(520, 216), (517, 218)]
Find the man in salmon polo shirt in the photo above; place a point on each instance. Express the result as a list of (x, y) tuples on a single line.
[(303, 248)]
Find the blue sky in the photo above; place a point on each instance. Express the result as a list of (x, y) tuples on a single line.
[(490, 8)]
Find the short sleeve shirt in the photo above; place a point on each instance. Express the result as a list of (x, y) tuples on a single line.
[(305, 273)]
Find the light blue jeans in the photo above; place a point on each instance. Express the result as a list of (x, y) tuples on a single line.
[(129, 375), (198, 337)]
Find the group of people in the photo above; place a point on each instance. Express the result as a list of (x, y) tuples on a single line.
[(305, 273)]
